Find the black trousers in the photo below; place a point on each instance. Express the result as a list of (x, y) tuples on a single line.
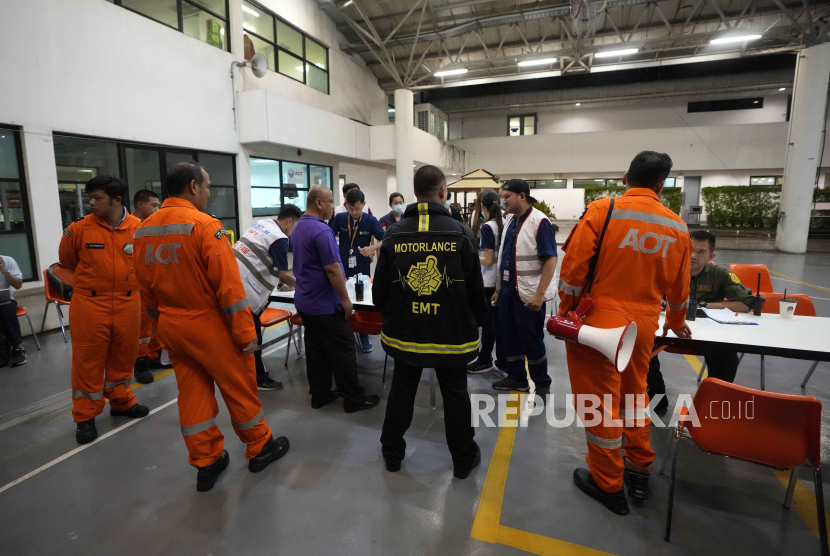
[(490, 334), (261, 373), (9, 320), (330, 353), (457, 412), (721, 362)]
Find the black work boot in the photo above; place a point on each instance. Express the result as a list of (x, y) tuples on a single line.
[(512, 384), (141, 370), (134, 412), (271, 452), (464, 472), (614, 501), (636, 479), (207, 475), (86, 432)]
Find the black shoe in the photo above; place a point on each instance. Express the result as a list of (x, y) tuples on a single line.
[(318, 402), (512, 384), (271, 452), (157, 364), (269, 384), (476, 368), (141, 370), (637, 484), (463, 473), (18, 357), (614, 501), (86, 432), (368, 403), (207, 475), (662, 405), (134, 412), (543, 392), (392, 466)]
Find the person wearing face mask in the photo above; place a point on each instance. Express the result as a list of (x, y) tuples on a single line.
[(398, 206)]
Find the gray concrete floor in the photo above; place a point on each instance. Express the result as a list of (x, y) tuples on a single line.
[(133, 492)]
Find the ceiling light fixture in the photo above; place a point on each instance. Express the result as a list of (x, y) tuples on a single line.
[(249, 27), (579, 104), (391, 110), (454, 174), (612, 53), (782, 89), (539, 62), (736, 38), (457, 71), (249, 10)]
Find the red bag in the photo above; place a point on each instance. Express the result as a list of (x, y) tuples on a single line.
[(61, 278)]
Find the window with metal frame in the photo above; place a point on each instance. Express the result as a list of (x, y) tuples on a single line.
[(523, 124), (766, 180), (15, 222), (548, 184), (588, 182), (275, 183), (288, 50), (206, 20)]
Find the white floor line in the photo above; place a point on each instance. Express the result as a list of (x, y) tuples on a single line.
[(83, 447), (794, 282), (273, 349)]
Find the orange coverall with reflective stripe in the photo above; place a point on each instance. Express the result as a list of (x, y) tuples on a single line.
[(148, 345), (104, 313), (645, 254), (191, 288)]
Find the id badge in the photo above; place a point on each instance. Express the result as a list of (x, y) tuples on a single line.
[(352, 262), (506, 277)]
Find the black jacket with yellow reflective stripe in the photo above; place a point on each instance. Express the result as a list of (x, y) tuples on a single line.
[(429, 287)]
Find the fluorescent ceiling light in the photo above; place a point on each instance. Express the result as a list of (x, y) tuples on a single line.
[(221, 31), (579, 104), (539, 62), (249, 27), (249, 10), (391, 110), (599, 180), (457, 71), (346, 4), (453, 174), (782, 89), (736, 38), (611, 53)]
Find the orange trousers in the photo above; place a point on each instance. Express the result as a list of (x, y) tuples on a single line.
[(104, 344), (203, 353), (148, 345), (591, 373)]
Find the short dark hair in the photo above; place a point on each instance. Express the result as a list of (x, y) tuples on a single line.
[(110, 185), (181, 174), (290, 211), (428, 180), (703, 235), (648, 169), (348, 187), (355, 196), (144, 195), (393, 195)]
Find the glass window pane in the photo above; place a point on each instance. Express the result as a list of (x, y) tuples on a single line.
[(289, 38), (295, 197), (765, 180), (265, 173), (164, 11), (589, 183), (232, 227), (294, 175), (257, 21), (216, 6), (319, 79), (291, 66), (265, 201), (259, 46), (143, 170), (552, 184), (79, 160), (174, 158), (71, 207), (319, 175), (219, 167), (613, 183), (530, 125), (515, 127), (201, 25), (316, 53), (8, 155), (16, 246), (12, 216), (221, 203), (670, 182)]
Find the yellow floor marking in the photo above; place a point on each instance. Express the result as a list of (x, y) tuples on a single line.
[(799, 281), (486, 525), (696, 365)]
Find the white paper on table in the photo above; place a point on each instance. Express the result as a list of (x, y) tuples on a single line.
[(727, 316)]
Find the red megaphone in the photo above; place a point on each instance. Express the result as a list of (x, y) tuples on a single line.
[(617, 344)]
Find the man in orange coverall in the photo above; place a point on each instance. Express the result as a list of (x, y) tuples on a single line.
[(145, 203), (190, 286), (645, 254), (105, 307)]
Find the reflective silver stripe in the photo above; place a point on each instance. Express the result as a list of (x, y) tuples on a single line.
[(683, 305), (429, 348), (533, 272), (516, 358), (648, 218), (537, 361), (235, 308), (153, 312), (91, 395), (198, 427), (108, 385), (606, 443), (144, 340), (253, 270), (248, 424), (569, 289), (264, 258), (164, 230), (527, 258)]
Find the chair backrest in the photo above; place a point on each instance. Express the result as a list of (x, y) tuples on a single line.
[(366, 322), (804, 308), (49, 290), (776, 430), (748, 274)]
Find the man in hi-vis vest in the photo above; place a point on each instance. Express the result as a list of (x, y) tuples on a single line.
[(527, 262), (262, 256)]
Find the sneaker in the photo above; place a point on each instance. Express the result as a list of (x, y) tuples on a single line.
[(269, 384), (512, 384), (18, 357), (368, 403), (614, 501), (141, 370), (476, 368), (464, 472), (326, 399), (135, 412), (207, 475), (86, 432), (365, 346), (498, 370), (273, 450)]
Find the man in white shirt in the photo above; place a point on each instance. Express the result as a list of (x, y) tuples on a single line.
[(342, 208), (11, 277)]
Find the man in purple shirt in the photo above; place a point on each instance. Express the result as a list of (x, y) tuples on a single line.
[(323, 302)]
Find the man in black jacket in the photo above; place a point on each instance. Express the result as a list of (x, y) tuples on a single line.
[(429, 286)]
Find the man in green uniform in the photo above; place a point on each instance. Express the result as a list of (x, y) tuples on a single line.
[(713, 287)]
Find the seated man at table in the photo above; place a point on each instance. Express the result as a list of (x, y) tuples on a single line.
[(717, 288)]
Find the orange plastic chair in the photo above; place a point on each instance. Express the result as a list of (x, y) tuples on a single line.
[(295, 320), (371, 323), (748, 273), (52, 297), (783, 433), (805, 308), (272, 316), (23, 312)]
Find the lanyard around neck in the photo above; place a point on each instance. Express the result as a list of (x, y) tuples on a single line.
[(353, 233)]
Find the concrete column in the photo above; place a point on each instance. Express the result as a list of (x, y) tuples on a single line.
[(42, 177), (404, 151), (806, 123), (243, 189)]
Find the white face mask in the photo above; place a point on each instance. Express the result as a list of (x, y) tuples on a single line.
[(398, 209), (448, 204)]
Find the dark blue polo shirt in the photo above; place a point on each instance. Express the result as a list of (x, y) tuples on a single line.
[(354, 235)]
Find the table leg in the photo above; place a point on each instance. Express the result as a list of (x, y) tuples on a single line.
[(432, 388)]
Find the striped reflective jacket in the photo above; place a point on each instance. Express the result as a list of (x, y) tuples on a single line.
[(428, 284), (256, 267)]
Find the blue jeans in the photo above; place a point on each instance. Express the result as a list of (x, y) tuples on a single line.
[(522, 333)]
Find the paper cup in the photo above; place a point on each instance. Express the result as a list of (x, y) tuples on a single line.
[(787, 307)]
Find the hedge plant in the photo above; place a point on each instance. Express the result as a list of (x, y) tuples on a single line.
[(671, 197), (746, 206)]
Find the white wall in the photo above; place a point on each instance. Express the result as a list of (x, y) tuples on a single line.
[(372, 181)]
